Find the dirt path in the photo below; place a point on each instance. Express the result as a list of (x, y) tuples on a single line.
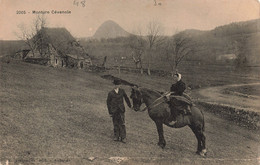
[(59, 116), (218, 95)]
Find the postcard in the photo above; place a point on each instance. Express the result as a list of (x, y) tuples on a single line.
[(129, 82)]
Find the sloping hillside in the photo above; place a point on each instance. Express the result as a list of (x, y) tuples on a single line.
[(10, 47), (242, 39), (59, 116)]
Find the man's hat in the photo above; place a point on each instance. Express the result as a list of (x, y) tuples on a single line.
[(117, 82)]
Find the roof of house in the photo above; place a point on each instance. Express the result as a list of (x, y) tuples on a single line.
[(62, 41), (75, 56)]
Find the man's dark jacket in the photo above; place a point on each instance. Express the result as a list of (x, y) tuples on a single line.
[(115, 102)]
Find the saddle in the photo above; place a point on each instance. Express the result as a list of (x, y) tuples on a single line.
[(184, 99), (182, 103)]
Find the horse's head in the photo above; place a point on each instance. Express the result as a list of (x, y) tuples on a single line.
[(137, 98)]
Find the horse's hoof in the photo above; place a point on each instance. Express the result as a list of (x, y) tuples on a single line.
[(203, 153), (161, 145)]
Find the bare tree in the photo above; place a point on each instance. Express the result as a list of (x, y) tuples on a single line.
[(154, 30), (28, 34), (40, 38), (176, 49), (39, 22), (137, 45), (241, 51)]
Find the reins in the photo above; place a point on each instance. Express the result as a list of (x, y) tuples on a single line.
[(152, 106)]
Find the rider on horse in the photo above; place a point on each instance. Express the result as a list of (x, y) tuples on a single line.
[(179, 102)]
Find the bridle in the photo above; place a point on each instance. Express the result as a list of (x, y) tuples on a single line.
[(137, 89)]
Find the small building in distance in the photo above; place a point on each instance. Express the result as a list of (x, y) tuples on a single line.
[(226, 58), (21, 54)]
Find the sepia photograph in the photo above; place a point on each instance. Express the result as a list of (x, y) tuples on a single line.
[(130, 82)]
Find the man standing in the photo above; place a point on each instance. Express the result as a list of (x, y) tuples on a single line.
[(116, 109)]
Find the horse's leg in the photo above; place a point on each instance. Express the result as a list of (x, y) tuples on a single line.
[(203, 150), (195, 131), (203, 143), (198, 131), (159, 126), (201, 129)]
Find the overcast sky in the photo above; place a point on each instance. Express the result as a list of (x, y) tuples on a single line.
[(130, 14)]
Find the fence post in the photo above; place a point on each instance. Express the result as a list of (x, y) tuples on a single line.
[(119, 70)]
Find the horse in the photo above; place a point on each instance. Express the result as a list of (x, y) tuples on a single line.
[(159, 113)]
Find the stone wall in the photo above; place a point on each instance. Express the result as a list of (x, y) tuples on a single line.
[(242, 117)]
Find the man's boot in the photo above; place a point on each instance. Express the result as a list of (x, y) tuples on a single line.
[(123, 140), (116, 138)]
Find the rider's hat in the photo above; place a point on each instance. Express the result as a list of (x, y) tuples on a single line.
[(178, 75)]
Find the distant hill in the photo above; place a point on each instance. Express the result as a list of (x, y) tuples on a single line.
[(10, 47), (236, 38), (240, 38), (110, 29)]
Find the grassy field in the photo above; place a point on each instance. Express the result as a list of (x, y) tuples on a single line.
[(59, 116), (195, 77)]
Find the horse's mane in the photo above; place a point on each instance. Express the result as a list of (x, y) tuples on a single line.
[(151, 91)]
